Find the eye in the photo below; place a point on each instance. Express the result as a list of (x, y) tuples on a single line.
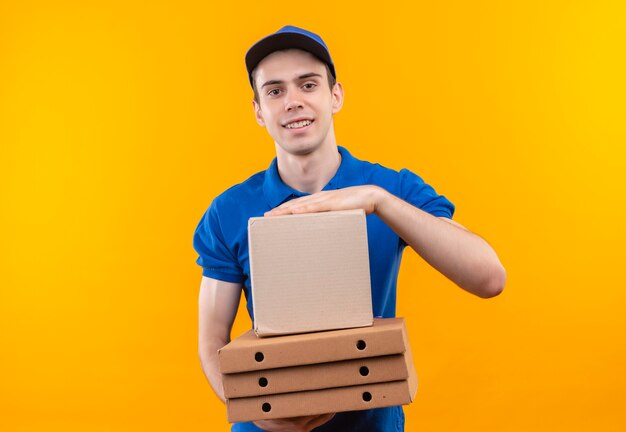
[(273, 92), (309, 86)]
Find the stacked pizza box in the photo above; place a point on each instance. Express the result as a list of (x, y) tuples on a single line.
[(315, 347), (317, 373)]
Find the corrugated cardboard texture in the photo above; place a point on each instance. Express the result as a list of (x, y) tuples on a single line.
[(322, 401), (309, 272), (318, 376), (250, 353)]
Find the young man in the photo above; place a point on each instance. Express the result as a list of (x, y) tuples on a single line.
[(296, 95)]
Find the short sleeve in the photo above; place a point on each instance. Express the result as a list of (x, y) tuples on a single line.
[(215, 257), (416, 192)]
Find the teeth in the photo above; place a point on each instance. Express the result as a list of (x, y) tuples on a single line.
[(299, 124)]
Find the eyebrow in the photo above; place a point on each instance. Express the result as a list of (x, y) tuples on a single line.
[(301, 77)]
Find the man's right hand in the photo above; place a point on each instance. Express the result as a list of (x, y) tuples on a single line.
[(294, 424)]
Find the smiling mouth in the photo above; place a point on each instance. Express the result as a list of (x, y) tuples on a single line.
[(299, 124)]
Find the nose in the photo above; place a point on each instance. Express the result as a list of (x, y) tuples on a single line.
[(292, 101)]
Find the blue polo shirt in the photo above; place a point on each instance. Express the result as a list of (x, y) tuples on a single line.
[(221, 240)]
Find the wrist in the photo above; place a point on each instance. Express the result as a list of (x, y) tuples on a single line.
[(379, 197)]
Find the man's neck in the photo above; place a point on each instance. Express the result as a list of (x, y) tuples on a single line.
[(309, 173)]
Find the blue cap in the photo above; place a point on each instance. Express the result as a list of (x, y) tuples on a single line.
[(285, 38)]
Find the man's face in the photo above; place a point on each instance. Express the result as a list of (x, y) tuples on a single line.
[(295, 103)]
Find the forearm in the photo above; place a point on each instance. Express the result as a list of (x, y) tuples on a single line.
[(459, 254), (210, 365), (217, 307)]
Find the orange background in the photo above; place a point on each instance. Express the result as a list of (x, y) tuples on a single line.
[(120, 121)]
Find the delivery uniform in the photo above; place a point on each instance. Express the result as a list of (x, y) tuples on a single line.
[(221, 240)]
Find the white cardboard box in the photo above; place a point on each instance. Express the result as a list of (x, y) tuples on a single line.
[(310, 272)]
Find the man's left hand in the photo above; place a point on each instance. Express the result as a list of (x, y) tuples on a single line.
[(350, 198)]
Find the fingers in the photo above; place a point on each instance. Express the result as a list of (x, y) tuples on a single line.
[(309, 204), (299, 424), (319, 420), (356, 197)]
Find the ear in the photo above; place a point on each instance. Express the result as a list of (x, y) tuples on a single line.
[(258, 114), (337, 95)]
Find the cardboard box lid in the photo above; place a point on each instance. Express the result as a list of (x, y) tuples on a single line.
[(317, 402), (249, 353), (317, 376), (309, 272)]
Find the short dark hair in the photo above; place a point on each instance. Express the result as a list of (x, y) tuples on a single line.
[(329, 76)]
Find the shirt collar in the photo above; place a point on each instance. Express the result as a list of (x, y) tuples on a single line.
[(276, 192)]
